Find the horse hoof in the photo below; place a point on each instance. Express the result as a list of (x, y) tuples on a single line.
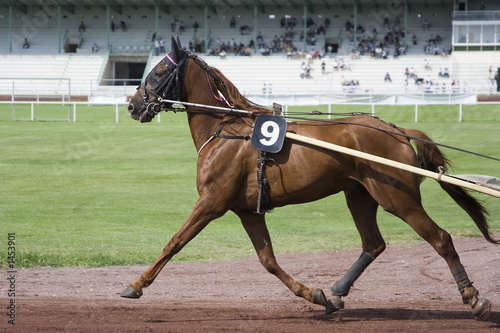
[(320, 298), (130, 293), (337, 301), (482, 309)]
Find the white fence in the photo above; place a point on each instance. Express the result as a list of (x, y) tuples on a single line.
[(120, 108)]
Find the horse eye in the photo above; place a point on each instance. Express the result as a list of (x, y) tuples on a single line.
[(160, 71)]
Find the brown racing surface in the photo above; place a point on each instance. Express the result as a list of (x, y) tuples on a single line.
[(408, 288)]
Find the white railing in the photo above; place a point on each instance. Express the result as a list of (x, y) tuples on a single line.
[(119, 108)]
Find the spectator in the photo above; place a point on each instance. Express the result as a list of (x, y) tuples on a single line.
[(177, 27), (232, 23), (162, 45), (174, 22), (123, 26), (306, 72), (497, 78), (81, 27), (427, 65), (327, 23), (95, 48), (387, 78), (348, 25), (196, 26), (387, 21), (157, 47), (26, 44), (414, 39), (412, 73), (245, 29), (426, 25), (113, 26), (153, 37)]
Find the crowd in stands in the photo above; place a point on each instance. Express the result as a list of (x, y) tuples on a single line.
[(280, 43), (432, 46), (349, 84), (370, 43)]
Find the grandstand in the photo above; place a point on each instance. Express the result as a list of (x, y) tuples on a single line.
[(60, 49)]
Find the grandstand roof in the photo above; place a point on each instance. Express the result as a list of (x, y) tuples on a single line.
[(223, 3)]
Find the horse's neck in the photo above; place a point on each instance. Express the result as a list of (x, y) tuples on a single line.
[(199, 90), (203, 127)]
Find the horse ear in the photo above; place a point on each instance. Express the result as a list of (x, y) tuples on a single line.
[(173, 44), (176, 49)]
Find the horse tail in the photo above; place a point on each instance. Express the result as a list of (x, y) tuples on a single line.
[(432, 159)]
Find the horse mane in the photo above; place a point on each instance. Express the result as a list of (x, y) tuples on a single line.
[(234, 97)]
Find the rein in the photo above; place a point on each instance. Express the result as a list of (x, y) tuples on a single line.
[(218, 108)]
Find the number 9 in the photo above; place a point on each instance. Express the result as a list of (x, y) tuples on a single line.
[(270, 130)]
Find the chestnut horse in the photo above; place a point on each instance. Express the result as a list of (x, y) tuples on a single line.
[(227, 177)]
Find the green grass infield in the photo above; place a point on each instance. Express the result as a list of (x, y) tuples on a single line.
[(95, 192)]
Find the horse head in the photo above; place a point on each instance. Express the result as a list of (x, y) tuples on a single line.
[(164, 82)]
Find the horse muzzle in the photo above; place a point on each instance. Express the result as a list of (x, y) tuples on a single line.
[(139, 112)]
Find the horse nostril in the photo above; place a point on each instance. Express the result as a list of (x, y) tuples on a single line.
[(130, 107)]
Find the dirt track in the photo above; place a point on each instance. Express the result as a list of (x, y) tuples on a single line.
[(408, 288)]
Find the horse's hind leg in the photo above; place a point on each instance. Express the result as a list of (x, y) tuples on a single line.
[(414, 214), (364, 212), (255, 226)]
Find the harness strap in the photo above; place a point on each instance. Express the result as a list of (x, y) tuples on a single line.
[(222, 136), (218, 135), (264, 197)]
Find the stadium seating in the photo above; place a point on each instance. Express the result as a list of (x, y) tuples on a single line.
[(46, 58)]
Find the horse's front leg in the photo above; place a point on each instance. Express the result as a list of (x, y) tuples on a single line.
[(203, 213), (255, 226)]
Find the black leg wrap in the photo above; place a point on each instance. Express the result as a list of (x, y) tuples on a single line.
[(341, 288), (459, 273)]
